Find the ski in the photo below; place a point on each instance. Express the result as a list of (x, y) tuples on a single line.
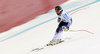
[(38, 49)]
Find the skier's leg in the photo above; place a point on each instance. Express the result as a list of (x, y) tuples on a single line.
[(57, 37), (62, 25), (58, 33)]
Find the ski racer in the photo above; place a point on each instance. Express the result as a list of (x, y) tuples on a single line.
[(64, 21)]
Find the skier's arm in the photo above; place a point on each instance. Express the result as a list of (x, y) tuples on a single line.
[(59, 20)]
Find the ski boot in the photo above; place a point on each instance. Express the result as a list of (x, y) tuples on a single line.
[(54, 42)]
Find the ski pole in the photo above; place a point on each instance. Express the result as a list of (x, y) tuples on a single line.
[(80, 30)]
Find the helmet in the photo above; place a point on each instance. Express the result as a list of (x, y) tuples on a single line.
[(58, 8)]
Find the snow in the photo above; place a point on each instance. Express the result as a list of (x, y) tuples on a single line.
[(80, 42)]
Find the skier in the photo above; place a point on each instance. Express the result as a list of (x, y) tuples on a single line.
[(65, 21)]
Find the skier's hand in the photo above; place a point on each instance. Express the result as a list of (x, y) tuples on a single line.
[(59, 20), (67, 28)]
